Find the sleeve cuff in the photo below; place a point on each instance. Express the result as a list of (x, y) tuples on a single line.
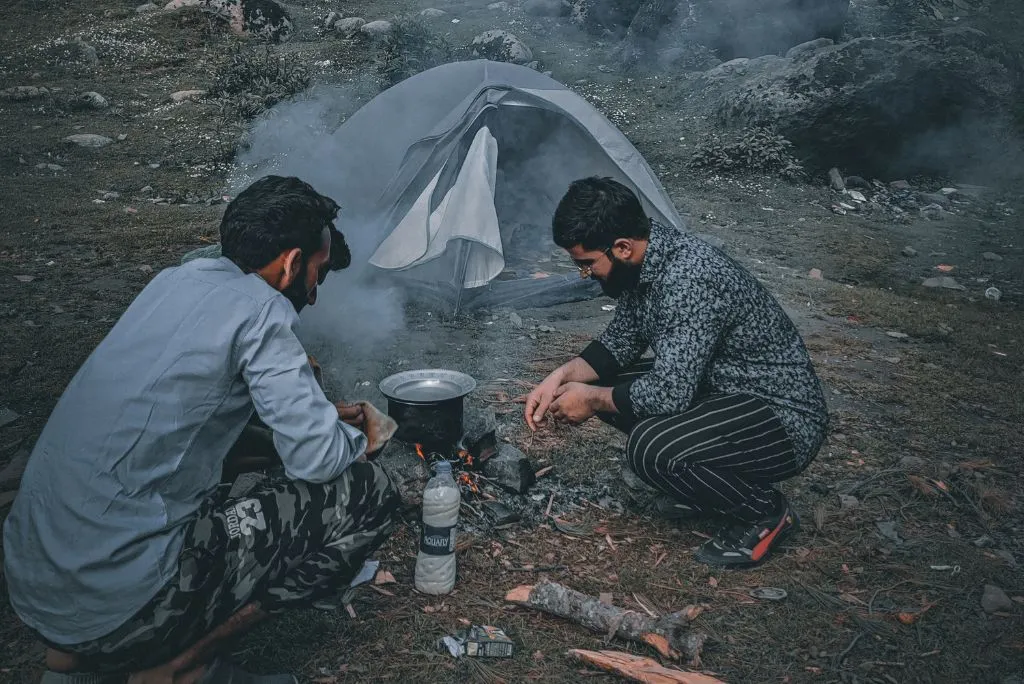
[(601, 360), (623, 402)]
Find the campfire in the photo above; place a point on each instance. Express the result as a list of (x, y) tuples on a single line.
[(463, 467)]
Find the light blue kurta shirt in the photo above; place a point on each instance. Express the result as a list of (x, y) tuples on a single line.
[(139, 437)]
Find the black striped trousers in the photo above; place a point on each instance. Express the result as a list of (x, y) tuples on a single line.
[(721, 456)]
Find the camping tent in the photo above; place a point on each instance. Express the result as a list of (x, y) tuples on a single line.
[(456, 173)]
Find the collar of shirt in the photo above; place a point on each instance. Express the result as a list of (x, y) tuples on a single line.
[(656, 255)]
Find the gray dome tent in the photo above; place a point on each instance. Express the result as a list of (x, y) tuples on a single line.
[(456, 172)]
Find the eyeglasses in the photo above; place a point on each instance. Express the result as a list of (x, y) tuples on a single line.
[(587, 270)]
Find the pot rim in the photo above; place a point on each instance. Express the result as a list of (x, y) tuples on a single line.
[(464, 384)]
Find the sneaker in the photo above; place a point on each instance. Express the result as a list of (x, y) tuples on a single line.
[(742, 545), (222, 671)]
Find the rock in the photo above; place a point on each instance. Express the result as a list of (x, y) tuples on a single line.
[(88, 140), (835, 180), (499, 6), (479, 434), (501, 46), (91, 100), (984, 541), (934, 198), (147, 190), (187, 95), (20, 93), (8, 416), (515, 319), (547, 8), (815, 274), (899, 185), (827, 104), (847, 502), (809, 47), (510, 469), (945, 282), (995, 600), (499, 513), (148, 7), (49, 167), (725, 29), (349, 26), (888, 530), (933, 212), (897, 335), (909, 252), (86, 52), (331, 19), (263, 19), (376, 29), (993, 293), (912, 462), (433, 13), (858, 182), (109, 196), (991, 256)]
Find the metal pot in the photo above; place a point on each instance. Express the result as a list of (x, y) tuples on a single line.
[(428, 406)]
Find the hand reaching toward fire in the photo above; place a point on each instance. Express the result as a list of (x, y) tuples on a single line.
[(375, 424)]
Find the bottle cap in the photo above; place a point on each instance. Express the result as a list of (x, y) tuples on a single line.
[(442, 466)]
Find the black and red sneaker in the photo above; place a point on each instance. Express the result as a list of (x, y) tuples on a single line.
[(742, 545)]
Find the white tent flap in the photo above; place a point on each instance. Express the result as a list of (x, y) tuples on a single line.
[(466, 213)]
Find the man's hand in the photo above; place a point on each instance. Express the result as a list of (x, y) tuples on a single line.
[(576, 402), (539, 400), (351, 414)]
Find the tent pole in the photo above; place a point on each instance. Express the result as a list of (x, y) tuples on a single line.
[(460, 282)]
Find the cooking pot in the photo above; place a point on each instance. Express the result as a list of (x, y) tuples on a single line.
[(427, 404)]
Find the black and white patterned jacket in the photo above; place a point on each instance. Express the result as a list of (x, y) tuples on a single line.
[(713, 328)]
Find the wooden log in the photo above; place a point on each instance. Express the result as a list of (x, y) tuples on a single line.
[(670, 634), (640, 669)]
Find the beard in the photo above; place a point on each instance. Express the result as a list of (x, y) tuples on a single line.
[(296, 293), (622, 278)]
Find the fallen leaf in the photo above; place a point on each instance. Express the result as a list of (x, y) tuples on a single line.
[(907, 618), (384, 577), (712, 581), (945, 268)]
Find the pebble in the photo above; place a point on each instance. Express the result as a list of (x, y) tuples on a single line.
[(331, 19), (909, 252), (546, 329), (815, 274), (899, 185), (516, 319), (945, 282), (835, 180), (499, 6), (911, 462), (183, 95), (929, 198), (49, 167), (991, 256), (858, 182), (376, 28), (847, 502), (433, 13), (933, 212), (897, 335), (107, 196), (147, 190), (148, 7), (984, 541), (350, 26), (993, 293), (92, 100), (88, 140), (995, 600)]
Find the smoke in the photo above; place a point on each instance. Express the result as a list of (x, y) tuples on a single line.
[(356, 316)]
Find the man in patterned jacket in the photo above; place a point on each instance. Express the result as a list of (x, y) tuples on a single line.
[(730, 403), (124, 552)]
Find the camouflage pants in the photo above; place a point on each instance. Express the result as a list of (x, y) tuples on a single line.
[(285, 544)]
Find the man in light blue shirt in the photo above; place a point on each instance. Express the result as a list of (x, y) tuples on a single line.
[(123, 551)]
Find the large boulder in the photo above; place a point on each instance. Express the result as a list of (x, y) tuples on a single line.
[(501, 46), (884, 106), (263, 19), (728, 28)]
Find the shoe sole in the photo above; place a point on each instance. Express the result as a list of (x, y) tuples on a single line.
[(783, 537)]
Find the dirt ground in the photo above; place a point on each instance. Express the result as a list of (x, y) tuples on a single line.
[(925, 384)]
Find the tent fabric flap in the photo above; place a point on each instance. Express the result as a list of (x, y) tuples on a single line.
[(466, 212)]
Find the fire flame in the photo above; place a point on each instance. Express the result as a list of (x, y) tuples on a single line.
[(466, 479), (466, 457), (419, 452)]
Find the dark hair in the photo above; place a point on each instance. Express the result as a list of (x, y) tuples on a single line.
[(275, 214), (595, 212)]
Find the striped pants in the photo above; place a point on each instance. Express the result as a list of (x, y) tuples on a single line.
[(719, 457)]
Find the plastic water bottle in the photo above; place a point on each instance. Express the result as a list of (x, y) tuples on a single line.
[(435, 563)]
